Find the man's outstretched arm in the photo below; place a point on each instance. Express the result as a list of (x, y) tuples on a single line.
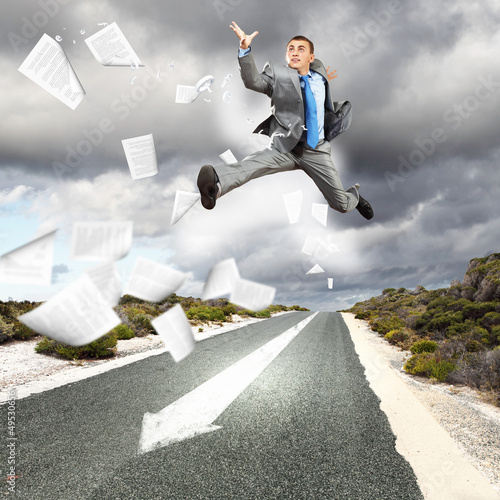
[(252, 79)]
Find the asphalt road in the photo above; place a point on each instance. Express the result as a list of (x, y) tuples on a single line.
[(308, 427)]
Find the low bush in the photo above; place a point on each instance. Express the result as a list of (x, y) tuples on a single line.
[(130, 299), (139, 320), (495, 334), (6, 329), (265, 313), (10, 327), (384, 324), (477, 310), (123, 332), (480, 370), (429, 365), (100, 348), (396, 336), (424, 346), (363, 315), (491, 320), (246, 312), (22, 332), (229, 309), (205, 313)]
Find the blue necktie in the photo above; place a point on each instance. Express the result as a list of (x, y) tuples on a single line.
[(311, 114)]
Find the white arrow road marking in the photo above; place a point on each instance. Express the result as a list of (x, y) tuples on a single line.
[(195, 412)]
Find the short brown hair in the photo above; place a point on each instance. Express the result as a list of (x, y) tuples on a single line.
[(305, 39)]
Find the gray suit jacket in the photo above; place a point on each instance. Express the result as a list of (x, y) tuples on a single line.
[(282, 84)]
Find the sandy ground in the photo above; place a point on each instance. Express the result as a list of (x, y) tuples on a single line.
[(449, 436)]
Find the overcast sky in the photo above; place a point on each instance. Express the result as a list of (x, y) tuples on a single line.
[(424, 82)]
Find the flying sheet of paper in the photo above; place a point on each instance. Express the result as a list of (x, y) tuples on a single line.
[(107, 279), (152, 281), (251, 295), (101, 241), (320, 212), (31, 263), (48, 66), (319, 247), (330, 283), (330, 248), (111, 48), (293, 205), (174, 329), (77, 315), (227, 157), (186, 94), (183, 202), (310, 245), (141, 156), (315, 270), (221, 280)]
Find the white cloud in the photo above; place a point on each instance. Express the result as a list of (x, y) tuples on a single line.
[(14, 195)]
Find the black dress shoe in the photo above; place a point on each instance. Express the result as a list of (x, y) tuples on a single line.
[(207, 184), (364, 208)]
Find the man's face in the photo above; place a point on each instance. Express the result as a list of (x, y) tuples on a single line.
[(298, 56)]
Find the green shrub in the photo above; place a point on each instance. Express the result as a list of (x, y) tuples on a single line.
[(22, 332), (206, 313), (229, 309), (473, 345), (424, 346), (363, 315), (263, 314), (422, 321), (277, 308), (456, 330), (171, 299), (458, 305), (430, 365), (491, 319), (12, 328), (100, 348), (217, 314), (495, 333), (130, 299), (477, 310), (298, 308), (384, 324), (6, 329), (201, 313), (140, 319), (246, 312), (123, 332), (396, 336)]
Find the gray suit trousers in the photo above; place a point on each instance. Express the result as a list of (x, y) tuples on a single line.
[(316, 163)]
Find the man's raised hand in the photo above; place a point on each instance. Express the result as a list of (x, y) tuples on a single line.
[(245, 40)]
